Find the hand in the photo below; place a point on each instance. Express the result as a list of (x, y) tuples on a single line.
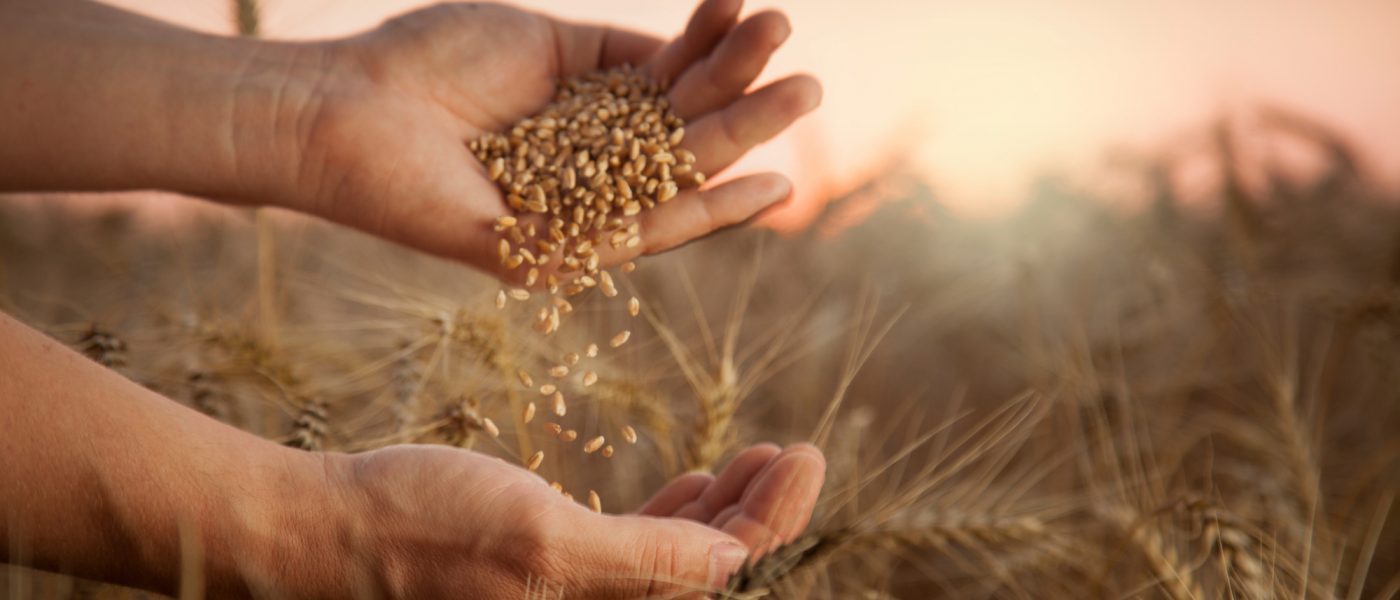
[(438, 522), (387, 149)]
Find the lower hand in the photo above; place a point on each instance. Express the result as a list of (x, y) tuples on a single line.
[(437, 522)]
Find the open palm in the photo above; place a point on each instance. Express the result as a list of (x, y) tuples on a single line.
[(391, 158), (466, 521)]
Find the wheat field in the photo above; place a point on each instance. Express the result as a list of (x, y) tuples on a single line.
[(1181, 400)]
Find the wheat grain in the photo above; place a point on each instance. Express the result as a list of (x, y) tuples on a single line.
[(525, 379), (607, 451), (594, 502), (629, 434), (591, 351), (605, 284), (490, 427), (535, 460), (568, 435), (620, 339), (589, 378), (554, 428), (559, 371), (560, 408), (593, 445), (634, 306), (547, 389), (529, 412), (580, 171)]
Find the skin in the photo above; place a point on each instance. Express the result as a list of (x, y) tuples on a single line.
[(108, 480)]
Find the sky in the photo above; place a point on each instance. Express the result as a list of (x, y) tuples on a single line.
[(984, 96)]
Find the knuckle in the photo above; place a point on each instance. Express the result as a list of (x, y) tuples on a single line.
[(536, 553), (658, 560)]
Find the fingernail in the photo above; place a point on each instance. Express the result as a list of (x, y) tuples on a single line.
[(725, 559)]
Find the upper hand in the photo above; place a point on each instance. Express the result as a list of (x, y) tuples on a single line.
[(386, 151), (435, 521)]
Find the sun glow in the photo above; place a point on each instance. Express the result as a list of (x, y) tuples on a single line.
[(984, 97)]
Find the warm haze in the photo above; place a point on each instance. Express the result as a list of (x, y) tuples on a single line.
[(987, 95)]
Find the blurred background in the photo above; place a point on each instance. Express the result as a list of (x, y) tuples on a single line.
[(986, 97)]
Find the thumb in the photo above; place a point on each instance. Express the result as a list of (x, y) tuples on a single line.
[(616, 556)]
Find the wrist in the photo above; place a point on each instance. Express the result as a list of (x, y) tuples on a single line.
[(100, 99), (294, 536), (244, 125)]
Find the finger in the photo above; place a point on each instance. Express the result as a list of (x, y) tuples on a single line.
[(646, 557), (622, 46), (778, 505), (691, 215), (729, 486), (722, 77), (720, 138), (712, 19), (697, 213), (725, 516), (584, 48), (679, 492)]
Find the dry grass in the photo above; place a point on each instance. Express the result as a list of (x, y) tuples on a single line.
[(1077, 401)]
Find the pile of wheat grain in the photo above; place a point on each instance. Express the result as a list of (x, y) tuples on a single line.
[(576, 175)]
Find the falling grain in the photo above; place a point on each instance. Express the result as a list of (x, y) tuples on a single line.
[(605, 283), (535, 460), (560, 408), (620, 339)]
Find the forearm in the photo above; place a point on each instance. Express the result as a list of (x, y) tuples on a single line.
[(93, 98), (105, 479)]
